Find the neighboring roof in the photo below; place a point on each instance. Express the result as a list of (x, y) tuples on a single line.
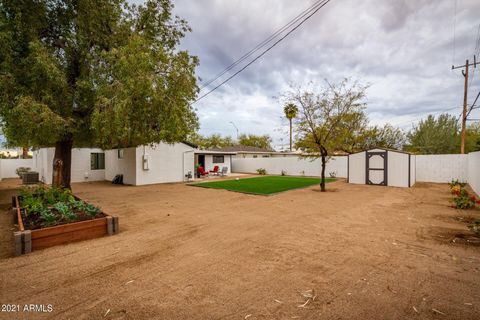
[(386, 149), (243, 149), (213, 152)]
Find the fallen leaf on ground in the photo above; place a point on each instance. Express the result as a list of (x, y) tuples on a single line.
[(438, 311)]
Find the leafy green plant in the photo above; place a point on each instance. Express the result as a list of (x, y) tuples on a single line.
[(65, 211), (91, 210), (48, 217), (261, 171)]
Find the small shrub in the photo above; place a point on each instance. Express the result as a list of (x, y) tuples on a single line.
[(475, 227), (332, 174), (456, 182), (463, 200), (261, 171), (91, 210), (284, 172)]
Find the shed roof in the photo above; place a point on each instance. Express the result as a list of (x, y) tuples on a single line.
[(386, 149)]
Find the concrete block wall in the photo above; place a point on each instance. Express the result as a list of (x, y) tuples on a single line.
[(294, 166), (442, 168), (8, 167)]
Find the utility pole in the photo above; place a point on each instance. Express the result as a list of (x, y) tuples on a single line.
[(465, 97)]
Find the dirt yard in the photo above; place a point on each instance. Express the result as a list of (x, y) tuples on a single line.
[(356, 252)]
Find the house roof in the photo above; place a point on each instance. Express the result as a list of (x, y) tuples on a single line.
[(243, 149), (190, 144)]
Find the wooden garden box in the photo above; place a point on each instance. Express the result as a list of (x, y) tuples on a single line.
[(30, 240)]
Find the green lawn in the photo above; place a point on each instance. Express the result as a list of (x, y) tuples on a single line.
[(262, 185)]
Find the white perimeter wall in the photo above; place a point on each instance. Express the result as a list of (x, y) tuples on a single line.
[(9, 166), (81, 172), (442, 167), (474, 171), (294, 166)]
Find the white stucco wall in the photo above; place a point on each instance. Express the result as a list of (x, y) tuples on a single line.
[(294, 166), (226, 162), (126, 166), (442, 167), (9, 166), (81, 171), (356, 168), (166, 163), (474, 171)]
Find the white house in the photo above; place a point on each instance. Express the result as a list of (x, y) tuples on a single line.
[(159, 163), (83, 168)]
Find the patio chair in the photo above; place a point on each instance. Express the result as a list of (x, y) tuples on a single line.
[(201, 172), (224, 171), (215, 170)]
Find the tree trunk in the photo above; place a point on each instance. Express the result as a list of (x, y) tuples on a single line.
[(322, 180), (290, 134), (62, 163), (25, 152)]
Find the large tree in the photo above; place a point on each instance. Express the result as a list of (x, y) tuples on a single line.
[(212, 141), (252, 140), (324, 115), (291, 112), (93, 73), (472, 139), (439, 135)]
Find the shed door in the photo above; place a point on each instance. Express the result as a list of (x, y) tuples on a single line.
[(376, 173)]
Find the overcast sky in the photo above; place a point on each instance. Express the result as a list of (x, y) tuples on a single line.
[(403, 48)]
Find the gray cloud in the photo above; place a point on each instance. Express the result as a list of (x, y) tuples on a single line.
[(403, 48)]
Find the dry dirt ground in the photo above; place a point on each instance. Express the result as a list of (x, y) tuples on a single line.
[(355, 252)]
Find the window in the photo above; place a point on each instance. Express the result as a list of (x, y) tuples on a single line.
[(97, 161), (255, 156), (218, 159), (266, 156), (120, 153)]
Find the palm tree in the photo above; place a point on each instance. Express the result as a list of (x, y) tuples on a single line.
[(291, 112)]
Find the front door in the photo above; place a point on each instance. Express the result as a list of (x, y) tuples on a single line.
[(201, 160), (376, 171)]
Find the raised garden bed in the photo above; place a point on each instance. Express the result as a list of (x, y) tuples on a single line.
[(49, 222)]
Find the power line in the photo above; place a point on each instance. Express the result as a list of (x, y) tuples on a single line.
[(420, 118), (263, 43), (265, 51)]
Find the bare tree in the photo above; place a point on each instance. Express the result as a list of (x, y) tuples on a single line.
[(325, 116)]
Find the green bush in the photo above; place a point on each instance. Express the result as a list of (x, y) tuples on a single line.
[(65, 211), (261, 171), (463, 200)]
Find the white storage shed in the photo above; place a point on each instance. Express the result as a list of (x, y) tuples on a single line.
[(382, 167)]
